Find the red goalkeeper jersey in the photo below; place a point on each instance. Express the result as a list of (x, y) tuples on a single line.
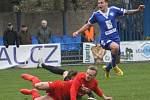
[(68, 90), (80, 81)]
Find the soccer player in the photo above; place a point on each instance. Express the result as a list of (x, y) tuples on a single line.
[(109, 37), (66, 90), (67, 75)]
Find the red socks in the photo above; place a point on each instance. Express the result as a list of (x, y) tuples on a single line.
[(27, 76), (35, 94), (32, 78), (26, 91), (35, 80), (32, 92)]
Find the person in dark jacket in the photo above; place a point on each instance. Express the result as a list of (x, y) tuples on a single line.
[(10, 36), (24, 36), (44, 33)]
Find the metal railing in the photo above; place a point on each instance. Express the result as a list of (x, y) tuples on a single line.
[(71, 53), (131, 27)]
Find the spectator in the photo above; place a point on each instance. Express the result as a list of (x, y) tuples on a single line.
[(10, 36), (24, 36), (88, 35), (44, 33)]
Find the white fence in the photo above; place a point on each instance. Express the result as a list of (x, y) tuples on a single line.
[(130, 51), (27, 56)]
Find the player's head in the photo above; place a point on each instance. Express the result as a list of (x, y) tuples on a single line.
[(91, 73), (68, 75), (102, 4)]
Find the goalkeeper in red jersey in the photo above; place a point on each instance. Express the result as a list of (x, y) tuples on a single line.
[(66, 90), (67, 75)]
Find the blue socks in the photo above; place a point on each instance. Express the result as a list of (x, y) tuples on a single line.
[(112, 64), (108, 67), (114, 58)]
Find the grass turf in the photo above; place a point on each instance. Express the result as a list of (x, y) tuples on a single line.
[(134, 85)]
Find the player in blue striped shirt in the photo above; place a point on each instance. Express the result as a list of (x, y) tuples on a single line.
[(105, 17)]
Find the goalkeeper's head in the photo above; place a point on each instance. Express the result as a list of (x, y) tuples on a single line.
[(70, 75)]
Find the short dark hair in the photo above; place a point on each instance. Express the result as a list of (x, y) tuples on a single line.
[(93, 68), (106, 0)]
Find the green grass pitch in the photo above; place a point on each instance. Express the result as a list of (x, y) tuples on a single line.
[(134, 85)]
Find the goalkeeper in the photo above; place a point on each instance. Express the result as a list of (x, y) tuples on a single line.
[(67, 75)]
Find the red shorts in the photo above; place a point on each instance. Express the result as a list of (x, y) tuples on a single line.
[(57, 91)]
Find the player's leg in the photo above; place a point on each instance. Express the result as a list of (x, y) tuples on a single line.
[(46, 97), (118, 57), (53, 69), (42, 86), (35, 94), (31, 78), (114, 48), (69, 75), (106, 45), (107, 68), (115, 51), (60, 71), (54, 89), (36, 82)]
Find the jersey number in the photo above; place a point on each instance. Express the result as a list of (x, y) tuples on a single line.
[(109, 24)]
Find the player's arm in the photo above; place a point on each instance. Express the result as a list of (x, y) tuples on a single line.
[(82, 29), (75, 86), (100, 93), (91, 21), (133, 11), (107, 98)]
